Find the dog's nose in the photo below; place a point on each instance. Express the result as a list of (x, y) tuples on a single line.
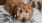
[(23, 19)]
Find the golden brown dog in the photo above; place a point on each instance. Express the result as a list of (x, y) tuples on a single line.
[(19, 10)]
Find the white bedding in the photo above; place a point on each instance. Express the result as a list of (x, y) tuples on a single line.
[(4, 15)]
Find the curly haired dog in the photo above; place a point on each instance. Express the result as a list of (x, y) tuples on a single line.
[(19, 10)]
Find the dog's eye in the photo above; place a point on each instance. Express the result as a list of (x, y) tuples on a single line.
[(20, 11), (26, 11)]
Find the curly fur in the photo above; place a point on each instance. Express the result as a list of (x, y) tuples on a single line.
[(14, 7)]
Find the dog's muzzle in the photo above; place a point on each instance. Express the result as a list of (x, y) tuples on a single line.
[(23, 19)]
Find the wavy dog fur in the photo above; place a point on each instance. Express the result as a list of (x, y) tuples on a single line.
[(18, 9)]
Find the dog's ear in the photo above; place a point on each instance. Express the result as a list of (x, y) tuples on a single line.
[(33, 4), (40, 6)]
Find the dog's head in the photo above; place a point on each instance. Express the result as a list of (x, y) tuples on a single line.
[(19, 10), (24, 12)]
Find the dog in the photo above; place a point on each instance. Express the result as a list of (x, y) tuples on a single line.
[(19, 13), (19, 10)]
